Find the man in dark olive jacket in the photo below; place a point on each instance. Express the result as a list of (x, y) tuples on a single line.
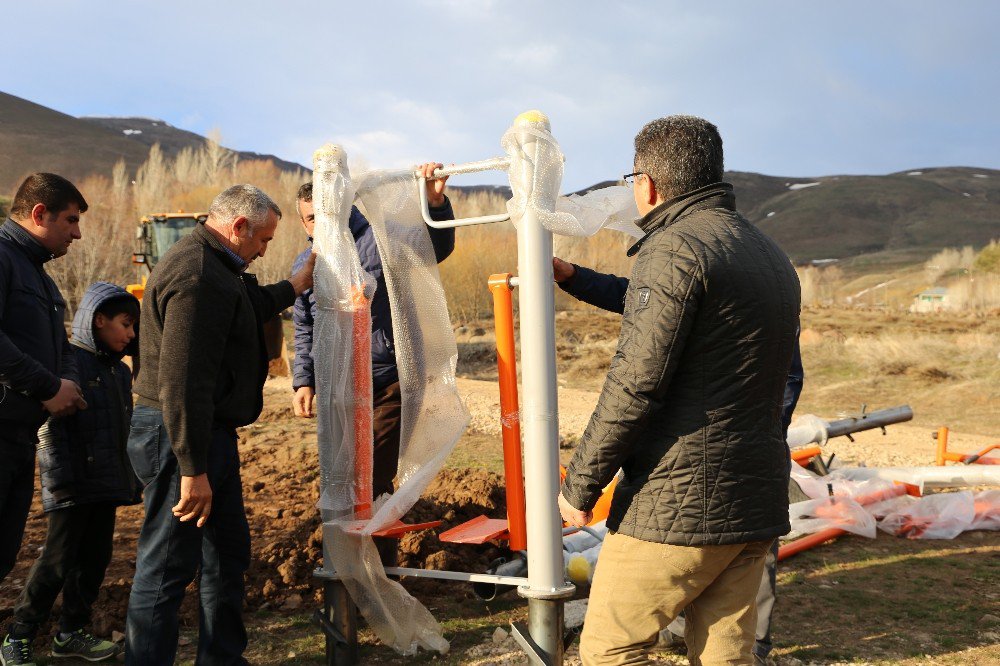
[(204, 364), (38, 374), (691, 411), (608, 293)]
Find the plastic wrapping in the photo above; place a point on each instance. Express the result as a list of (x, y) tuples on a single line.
[(833, 512), (806, 429), (433, 416), (987, 510), (580, 565), (940, 516), (343, 293), (610, 207), (577, 542)]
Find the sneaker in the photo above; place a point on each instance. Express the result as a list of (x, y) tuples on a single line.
[(83, 645), (16, 652)]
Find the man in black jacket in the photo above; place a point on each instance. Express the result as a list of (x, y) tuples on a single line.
[(608, 293), (691, 413), (37, 372), (204, 364)]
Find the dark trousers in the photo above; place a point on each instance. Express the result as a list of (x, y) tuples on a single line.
[(17, 486), (77, 552), (387, 412), (766, 594), (171, 553)]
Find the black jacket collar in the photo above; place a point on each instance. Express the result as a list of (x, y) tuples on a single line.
[(19, 236), (229, 258), (716, 195)]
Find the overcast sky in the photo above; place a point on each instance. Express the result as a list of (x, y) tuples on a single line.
[(797, 88)]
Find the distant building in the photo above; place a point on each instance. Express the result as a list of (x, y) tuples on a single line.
[(934, 299)]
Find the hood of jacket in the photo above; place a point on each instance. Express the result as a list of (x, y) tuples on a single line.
[(97, 295)]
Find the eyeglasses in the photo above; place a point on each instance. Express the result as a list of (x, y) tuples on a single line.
[(629, 178)]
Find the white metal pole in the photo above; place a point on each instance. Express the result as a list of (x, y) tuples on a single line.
[(539, 411)]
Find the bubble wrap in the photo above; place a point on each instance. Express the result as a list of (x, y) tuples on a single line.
[(535, 179), (341, 335), (433, 415)]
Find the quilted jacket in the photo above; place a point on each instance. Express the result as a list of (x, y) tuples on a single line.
[(81, 458), (691, 408)]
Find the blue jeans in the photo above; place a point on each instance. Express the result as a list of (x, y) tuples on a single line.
[(170, 553)]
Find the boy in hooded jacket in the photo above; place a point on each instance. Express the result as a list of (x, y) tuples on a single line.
[(86, 474)]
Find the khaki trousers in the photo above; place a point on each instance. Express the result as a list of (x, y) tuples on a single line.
[(640, 587)]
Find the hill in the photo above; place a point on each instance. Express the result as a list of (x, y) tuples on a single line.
[(37, 138), (897, 219), (173, 140)]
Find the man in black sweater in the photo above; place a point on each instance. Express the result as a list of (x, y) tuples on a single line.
[(204, 364)]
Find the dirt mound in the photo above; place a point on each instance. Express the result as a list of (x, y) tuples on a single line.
[(280, 471)]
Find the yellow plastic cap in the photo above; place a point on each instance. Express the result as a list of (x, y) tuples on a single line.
[(534, 117)]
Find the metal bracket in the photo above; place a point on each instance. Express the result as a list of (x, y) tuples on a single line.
[(536, 657), (494, 164)]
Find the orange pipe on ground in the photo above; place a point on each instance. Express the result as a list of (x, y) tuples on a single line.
[(510, 416), (361, 357), (807, 542)]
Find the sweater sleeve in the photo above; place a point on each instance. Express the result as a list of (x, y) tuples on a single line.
[(601, 290), (443, 240), (196, 322)]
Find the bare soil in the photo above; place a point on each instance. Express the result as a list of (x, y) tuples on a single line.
[(886, 600)]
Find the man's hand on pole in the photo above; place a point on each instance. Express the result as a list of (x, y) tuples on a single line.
[(562, 270), (196, 499), (435, 186), (304, 278), (302, 403), (67, 400), (573, 516)]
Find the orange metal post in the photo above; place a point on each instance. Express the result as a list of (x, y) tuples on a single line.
[(362, 384), (942, 445), (510, 417)]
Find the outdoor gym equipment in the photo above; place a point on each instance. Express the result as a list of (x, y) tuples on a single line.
[(945, 456), (545, 586)]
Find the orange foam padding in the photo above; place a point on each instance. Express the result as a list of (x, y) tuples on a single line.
[(510, 415), (362, 385), (806, 453), (479, 530), (393, 529)]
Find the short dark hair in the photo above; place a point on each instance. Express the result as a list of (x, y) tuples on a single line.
[(125, 304), (679, 154), (53, 191), (305, 192)]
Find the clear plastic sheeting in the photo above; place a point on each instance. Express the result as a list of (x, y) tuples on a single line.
[(535, 178), (807, 429), (343, 293), (833, 512), (433, 415), (610, 207), (987, 510), (941, 516)]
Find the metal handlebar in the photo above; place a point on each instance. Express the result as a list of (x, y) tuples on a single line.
[(493, 164)]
